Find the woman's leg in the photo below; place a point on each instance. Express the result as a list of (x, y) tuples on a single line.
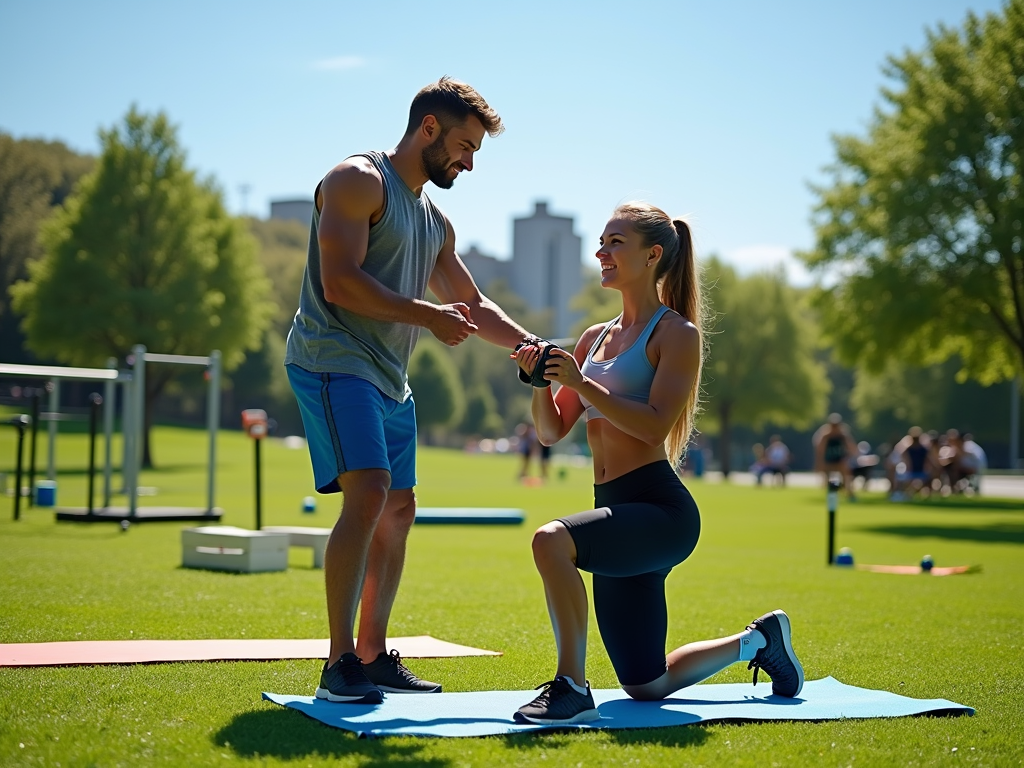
[(554, 552), (767, 643), (692, 663)]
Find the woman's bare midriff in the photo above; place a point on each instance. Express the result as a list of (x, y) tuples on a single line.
[(616, 453)]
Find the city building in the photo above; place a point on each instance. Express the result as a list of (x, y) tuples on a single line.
[(546, 267), (486, 269)]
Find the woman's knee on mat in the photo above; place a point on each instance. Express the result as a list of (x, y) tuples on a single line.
[(656, 690)]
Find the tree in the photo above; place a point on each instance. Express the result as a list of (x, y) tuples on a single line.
[(481, 417), (762, 366), (145, 253), (434, 380), (35, 176), (282, 252), (921, 228), (889, 402)]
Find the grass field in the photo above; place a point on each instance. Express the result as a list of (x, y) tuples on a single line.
[(958, 638)]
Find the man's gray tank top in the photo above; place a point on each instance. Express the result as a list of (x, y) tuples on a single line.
[(401, 254)]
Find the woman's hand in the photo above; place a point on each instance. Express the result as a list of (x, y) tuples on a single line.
[(563, 368), (526, 357)]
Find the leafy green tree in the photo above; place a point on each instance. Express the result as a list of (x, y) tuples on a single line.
[(762, 365), (481, 417), (282, 252), (434, 380), (921, 228), (35, 177), (887, 403), (144, 253)]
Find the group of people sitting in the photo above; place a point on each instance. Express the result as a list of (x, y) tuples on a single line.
[(920, 462), (923, 462)]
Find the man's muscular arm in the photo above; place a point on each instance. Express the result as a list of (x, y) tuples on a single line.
[(350, 195), (451, 282)]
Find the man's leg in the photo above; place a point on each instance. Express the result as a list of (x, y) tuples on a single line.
[(384, 572), (347, 552)]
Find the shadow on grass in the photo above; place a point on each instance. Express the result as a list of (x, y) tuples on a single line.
[(288, 735), (982, 504), (680, 736), (999, 533)]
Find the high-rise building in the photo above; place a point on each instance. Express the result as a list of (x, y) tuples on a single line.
[(546, 268)]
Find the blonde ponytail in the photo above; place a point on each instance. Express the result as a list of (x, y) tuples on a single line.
[(679, 289)]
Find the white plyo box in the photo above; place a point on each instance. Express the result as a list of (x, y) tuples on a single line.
[(301, 536), (226, 548)]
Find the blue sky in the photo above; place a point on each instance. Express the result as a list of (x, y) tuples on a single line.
[(722, 112)]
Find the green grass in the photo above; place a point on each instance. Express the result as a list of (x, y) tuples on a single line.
[(957, 638)]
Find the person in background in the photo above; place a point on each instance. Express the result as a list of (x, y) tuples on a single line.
[(974, 462), (777, 458), (918, 469), (864, 463), (760, 462), (833, 449)]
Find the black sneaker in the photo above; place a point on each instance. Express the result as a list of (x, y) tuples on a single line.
[(559, 704), (346, 681), (778, 658), (389, 674)]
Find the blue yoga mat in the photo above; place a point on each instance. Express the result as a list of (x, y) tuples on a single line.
[(469, 516), (489, 713)]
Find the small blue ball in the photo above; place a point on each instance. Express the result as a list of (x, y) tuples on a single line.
[(845, 556), (309, 505), (927, 563)]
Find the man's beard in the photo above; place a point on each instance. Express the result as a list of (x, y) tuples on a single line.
[(437, 163)]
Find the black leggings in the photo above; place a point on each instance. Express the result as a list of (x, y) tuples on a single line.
[(645, 522)]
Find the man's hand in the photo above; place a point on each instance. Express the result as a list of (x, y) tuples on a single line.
[(451, 323)]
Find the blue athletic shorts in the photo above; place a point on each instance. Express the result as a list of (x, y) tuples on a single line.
[(350, 424)]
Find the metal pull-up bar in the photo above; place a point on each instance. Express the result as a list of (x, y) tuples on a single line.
[(138, 361)]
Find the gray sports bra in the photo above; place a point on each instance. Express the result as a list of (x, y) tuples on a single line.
[(629, 374)]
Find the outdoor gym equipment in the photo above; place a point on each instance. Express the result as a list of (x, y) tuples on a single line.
[(54, 375), (254, 422), (134, 433), (133, 384), (832, 501), (19, 422)]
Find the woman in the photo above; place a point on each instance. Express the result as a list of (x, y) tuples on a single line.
[(636, 380)]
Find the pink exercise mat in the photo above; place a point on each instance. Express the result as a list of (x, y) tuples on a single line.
[(149, 651)]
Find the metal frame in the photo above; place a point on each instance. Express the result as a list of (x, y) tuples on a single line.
[(133, 413), (111, 378), (213, 365)]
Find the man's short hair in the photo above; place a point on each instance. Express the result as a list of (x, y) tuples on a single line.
[(451, 102)]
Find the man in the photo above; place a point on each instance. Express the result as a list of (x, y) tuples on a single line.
[(376, 243), (833, 449)]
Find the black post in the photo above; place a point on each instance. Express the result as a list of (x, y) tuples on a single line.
[(18, 422), (259, 505), (833, 504), (36, 394), (94, 408)]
